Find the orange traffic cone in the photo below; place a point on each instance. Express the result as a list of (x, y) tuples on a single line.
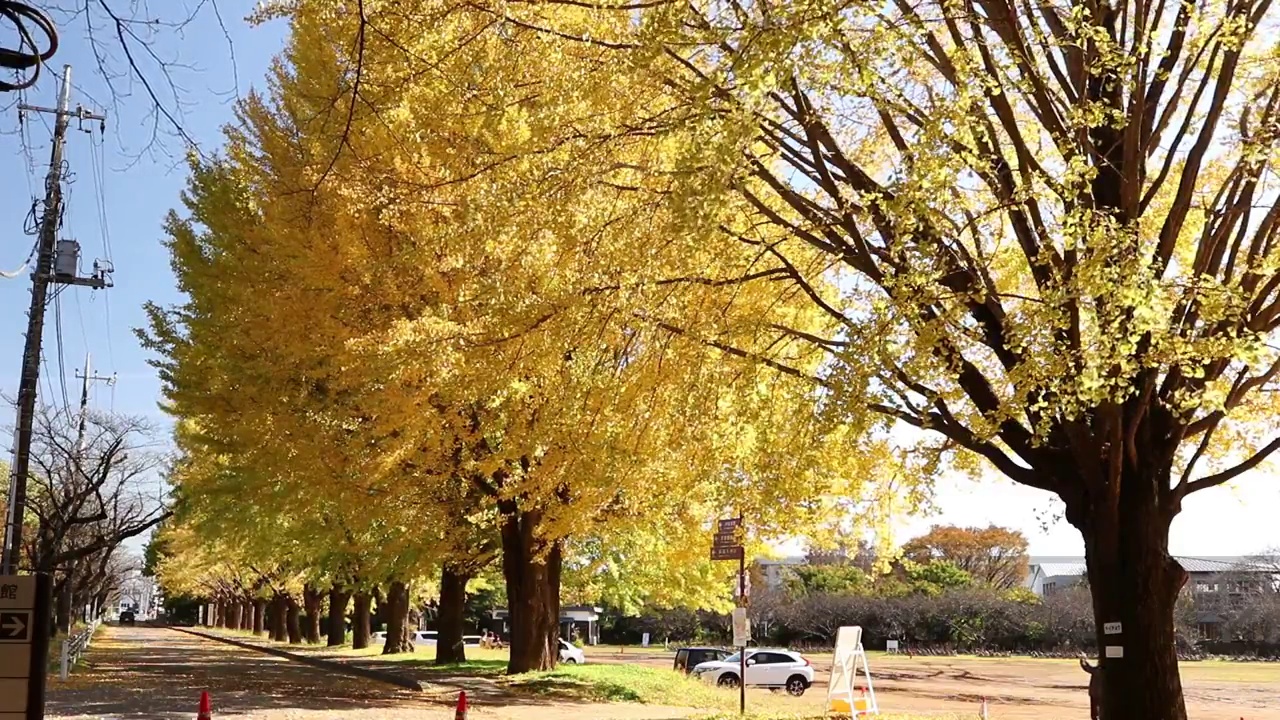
[(206, 708), (461, 714), (860, 706)]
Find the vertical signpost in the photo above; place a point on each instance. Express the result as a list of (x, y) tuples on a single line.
[(24, 645), (727, 545)]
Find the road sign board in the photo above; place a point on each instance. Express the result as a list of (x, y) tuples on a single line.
[(13, 695), (14, 664), (17, 591), (721, 552), (24, 645), (741, 627), (729, 525), (725, 539), (15, 626)]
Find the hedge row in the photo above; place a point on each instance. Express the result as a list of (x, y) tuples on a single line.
[(971, 621)]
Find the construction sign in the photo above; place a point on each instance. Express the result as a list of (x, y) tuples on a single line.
[(850, 658)]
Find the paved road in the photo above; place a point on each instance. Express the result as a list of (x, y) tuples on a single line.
[(132, 673)]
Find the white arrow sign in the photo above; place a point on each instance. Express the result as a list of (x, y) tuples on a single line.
[(13, 626)]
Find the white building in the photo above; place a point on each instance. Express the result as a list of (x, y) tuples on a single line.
[(1046, 574), (773, 572)]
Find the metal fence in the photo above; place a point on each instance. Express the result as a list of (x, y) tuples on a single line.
[(75, 646)]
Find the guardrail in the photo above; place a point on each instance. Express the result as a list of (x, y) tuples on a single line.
[(75, 646)]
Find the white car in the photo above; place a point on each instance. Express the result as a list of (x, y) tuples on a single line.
[(420, 637), (775, 669), (571, 654)]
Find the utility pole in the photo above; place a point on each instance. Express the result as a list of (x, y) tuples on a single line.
[(45, 274), (87, 378)]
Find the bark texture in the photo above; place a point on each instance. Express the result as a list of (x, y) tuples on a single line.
[(279, 633), (312, 601), (360, 632), (293, 618), (1135, 582), (259, 616), (531, 568), (338, 601), (449, 622), (399, 632)]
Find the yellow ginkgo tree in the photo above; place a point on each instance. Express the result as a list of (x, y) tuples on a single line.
[(455, 298), (1046, 234)]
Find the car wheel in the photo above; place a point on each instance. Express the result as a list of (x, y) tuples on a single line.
[(796, 685), (728, 680), (570, 661)]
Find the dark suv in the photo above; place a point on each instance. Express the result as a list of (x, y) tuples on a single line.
[(687, 658), (126, 617)]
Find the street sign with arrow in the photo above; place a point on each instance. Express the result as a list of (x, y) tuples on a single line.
[(15, 626), (24, 645)]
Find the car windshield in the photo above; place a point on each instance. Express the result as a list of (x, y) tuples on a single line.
[(732, 658)]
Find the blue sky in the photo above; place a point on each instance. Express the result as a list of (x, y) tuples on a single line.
[(141, 185)]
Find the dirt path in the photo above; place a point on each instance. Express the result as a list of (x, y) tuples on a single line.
[(1021, 688), (157, 674)]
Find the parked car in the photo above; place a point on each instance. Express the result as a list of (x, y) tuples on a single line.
[(688, 658), (471, 640), (571, 654), (420, 637), (126, 617), (767, 668)]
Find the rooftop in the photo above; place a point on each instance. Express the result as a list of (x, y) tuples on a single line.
[(1056, 565)]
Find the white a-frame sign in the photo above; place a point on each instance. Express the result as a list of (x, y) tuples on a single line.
[(849, 658)]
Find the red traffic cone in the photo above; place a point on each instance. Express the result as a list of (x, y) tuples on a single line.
[(461, 714), (206, 708)]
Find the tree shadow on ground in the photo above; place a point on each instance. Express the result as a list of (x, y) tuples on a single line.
[(154, 673), (158, 674)]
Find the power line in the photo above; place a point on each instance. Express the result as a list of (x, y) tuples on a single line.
[(11, 275), (99, 168), (84, 336), (99, 163), (57, 329), (29, 23), (24, 138)]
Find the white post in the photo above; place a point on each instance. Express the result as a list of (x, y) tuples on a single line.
[(66, 659)]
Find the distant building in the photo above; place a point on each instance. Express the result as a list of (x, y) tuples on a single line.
[(1218, 584), (772, 573), (576, 622), (1046, 575)]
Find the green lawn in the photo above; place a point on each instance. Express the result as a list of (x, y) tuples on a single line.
[(622, 683)]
